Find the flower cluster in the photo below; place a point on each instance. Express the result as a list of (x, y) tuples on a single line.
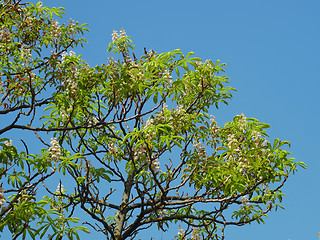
[(55, 29), (112, 148), (65, 54), (25, 53), (55, 149), (200, 149), (181, 232), (195, 235), (8, 143), (60, 188), (4, 35), (116, 36), (233, 143), (214, 126), (2, 197), (244, 200), (155, 165), (72, 86), (71, 24), (242, 121)]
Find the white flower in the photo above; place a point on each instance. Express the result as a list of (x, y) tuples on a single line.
[(72, 86), (2, 197), (72, 54), (244, 200), (55, 29), (60, 188), (63, 56), (155, 165), (122, 33), (164, 106), (25, 53), (200, 149), (112, 148), (8, 143), (115, 36), (181, 232), (55, 149), (4, 35), (195, 235)]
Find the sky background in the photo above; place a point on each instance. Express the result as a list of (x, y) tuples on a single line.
[(272, 53)]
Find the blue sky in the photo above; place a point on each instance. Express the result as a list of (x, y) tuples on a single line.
[(272, 51)]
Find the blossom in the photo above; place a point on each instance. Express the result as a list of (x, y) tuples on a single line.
[(63, 56), (60, 188), (72, 54), (25, 53), (195, 235), (122, 33), (242, 121), (200, 149), (2, 197), (214, 125), (55, 29), (72, 86), (115, 36), (4, 35), (155, 165), (112, 148), (244, 200), (181, 232), (71, 24), (55, 149), (8, 143)]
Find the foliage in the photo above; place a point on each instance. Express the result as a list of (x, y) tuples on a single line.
[(129, 160)]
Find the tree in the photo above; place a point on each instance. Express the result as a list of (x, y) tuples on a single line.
[(127, 159)]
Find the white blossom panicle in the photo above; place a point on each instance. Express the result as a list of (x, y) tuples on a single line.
[(115, 36), (2, 197), (242, 121), (112, 148), (244, 200), (200, 149), (4, 35), (55, 29), (8, 143), (55, 149), (111, 60), (25, 53), (181, 232), (214, 125), (63, 56), (122, 33), (231, 139), (149, 122), (164, 106), (208, 63), (167, 74), (72, 86), (72, 54), (199, 63), (195, 235), (180, 109), (155, 165), (71, 24), (60, 188)]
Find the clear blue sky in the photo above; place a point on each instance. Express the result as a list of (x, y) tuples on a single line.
[(272, 49)]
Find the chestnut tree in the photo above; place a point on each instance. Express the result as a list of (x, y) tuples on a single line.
[(134, 143)]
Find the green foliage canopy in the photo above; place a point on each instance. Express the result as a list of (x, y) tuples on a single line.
[(135, 138)]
